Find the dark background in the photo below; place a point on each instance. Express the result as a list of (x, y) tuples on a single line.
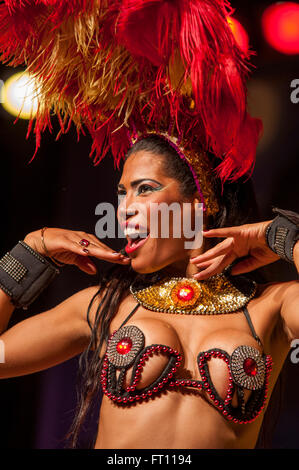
[(61, 188)]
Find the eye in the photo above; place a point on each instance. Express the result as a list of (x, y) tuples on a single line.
[(144, 188)]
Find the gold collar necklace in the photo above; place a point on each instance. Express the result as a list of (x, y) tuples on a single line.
[(218, 294)]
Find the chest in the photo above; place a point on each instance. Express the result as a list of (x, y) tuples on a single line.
[(219, 357), (191, 336)]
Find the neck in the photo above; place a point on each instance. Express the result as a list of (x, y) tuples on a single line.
[(183, 267)]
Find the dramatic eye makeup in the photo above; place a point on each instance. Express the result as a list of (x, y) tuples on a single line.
[(141, 187)]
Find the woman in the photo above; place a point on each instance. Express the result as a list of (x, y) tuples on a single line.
[(175, 415)]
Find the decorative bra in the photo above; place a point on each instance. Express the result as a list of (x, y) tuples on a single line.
[(248, 369)]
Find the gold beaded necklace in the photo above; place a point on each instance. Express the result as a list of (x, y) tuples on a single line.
[(217, 295)]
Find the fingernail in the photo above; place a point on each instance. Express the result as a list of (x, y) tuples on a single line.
[(85, 250), (115, 253)]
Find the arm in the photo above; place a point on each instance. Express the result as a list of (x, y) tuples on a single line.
[(290, 304), (249, 243), (58, 334), (48, 338)]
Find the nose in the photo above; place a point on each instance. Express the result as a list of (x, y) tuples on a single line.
[(124, 212)]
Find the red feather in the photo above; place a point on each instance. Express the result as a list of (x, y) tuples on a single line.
[(156, 33)]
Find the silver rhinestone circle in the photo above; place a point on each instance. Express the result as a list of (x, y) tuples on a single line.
[(239, 375), (137, 338)]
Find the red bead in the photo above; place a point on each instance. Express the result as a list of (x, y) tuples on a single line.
[(185, 293), (124, 346), (250, 366)]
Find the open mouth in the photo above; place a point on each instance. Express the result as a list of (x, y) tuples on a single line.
[(136, 242)]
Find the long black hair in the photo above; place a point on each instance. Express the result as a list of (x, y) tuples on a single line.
[(237, 206)]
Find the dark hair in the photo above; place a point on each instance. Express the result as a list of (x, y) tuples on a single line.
[(237, 206)]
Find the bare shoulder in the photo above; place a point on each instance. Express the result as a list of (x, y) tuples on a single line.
[(276, 291), (276, 298), (87, 301), (79, 309)]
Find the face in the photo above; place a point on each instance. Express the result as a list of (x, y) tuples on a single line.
[(143, 183)]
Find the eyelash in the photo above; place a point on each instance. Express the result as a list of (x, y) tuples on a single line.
[(123, 193)]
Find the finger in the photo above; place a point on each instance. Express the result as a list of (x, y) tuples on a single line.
[(246, 265), (221, 249), (221, 232), (215, 268), (206, 264), (101, 252), (86, 265)]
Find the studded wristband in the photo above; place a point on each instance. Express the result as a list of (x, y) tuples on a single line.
[(24, 274), (283, 233)]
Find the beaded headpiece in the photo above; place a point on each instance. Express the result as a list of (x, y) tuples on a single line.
[(114, 67)]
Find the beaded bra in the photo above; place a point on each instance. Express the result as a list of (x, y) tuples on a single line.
[(247, 367)]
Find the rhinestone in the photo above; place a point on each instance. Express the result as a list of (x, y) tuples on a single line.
[(248, 368), (124, 346)]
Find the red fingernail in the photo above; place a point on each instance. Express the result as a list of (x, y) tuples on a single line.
[(85, 250)]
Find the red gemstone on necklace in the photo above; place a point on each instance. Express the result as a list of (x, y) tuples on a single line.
[(124, 346), (250, 366), (185, 293)]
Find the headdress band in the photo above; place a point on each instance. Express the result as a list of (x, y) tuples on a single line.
[(199, 166)]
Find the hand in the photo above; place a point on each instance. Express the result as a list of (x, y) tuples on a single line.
[(242, 241), (64, 246)]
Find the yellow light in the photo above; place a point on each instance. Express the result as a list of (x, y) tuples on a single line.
[(18, 96), (240, 33)]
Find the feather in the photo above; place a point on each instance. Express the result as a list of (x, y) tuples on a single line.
[(111, 66)]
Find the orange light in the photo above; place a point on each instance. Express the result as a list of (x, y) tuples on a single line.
[(240, 34), (280, 24)]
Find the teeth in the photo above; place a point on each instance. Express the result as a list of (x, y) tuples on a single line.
[(132, 233)]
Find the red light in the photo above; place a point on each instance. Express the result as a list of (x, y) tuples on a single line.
[(280, 24), (240, 34)]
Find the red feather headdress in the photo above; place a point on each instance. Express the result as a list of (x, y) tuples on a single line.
[(124, 67)]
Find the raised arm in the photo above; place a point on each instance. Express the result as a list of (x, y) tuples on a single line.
[(290, 303), (60, 333), (254, 245)]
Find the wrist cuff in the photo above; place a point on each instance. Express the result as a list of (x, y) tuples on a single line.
[(24, 274), (283, 233)]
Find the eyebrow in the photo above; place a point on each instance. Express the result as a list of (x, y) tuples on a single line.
[(136, 182)]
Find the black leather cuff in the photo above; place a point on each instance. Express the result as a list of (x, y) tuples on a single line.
[(24, 274), (283, 233)]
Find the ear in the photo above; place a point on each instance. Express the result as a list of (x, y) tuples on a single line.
[(197, 200)]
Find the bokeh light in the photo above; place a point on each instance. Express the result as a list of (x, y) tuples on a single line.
[(18, 96), (280, 23), (240, 33)]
